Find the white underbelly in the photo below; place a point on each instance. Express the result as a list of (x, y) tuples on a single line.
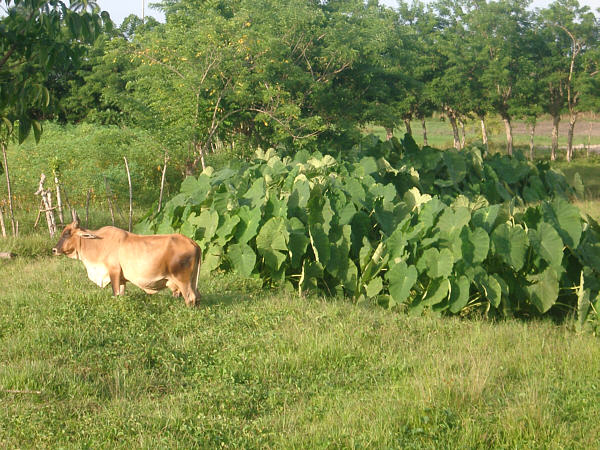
[(98, 273)]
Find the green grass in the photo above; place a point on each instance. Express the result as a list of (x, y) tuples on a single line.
[(254, 369), (439, 134)]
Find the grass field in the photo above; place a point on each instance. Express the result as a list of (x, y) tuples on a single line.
[(254, 369), (439, 133)]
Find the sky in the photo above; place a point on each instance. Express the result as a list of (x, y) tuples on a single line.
[(119, 9)]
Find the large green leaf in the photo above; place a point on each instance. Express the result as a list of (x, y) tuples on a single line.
[(491, 288), (272, 239), (242, 258), (256, 194), (511, 243), (437, 263), (206, 224), (273, 235), (488, 217), (474, 245), (546, 241), (543, 291), (452, 221), (319, 209), (298, 241), (320, 243), (301, 190), (459, 296), (249, 223), (583, 302), (385, 217), (227, 228), (312, 272), (211, 259), (566, 218), (436, 292), (396, 244), (401, 280), (196, 189), (374, 287)]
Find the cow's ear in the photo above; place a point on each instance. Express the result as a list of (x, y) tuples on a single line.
[(76, 223), (85, 235)]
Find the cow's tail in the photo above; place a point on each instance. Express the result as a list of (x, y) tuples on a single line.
[(198, 264)]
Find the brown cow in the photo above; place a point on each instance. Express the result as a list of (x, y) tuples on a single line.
[(150, 262)]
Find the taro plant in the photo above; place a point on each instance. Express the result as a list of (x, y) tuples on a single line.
[(403, 227)]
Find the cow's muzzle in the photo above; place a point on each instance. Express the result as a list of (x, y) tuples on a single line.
[(55, 251)]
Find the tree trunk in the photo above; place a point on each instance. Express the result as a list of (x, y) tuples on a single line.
[(572, 121), (463, 139), (554, 150), (9, 189), (408, 128), (509, 136), (389, 133), (452, 119), (200, 149), (484, 137), (531, 138), (424, 126)]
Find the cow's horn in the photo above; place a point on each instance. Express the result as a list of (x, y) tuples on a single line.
[(88, 236)]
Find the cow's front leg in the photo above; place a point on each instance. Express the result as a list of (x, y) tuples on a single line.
[(117, 283)]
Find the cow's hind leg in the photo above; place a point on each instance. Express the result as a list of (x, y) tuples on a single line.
[(185, 277)]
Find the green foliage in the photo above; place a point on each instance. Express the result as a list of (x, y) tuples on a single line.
[(37, 36), (83, 155), (394, 224)]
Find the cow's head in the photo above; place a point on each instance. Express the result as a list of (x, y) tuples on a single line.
[(70, 238)]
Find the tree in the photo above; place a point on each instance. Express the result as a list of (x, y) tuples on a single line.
[(500, 32), (37, 36), (277, 72), (96, 91), (454, 66), (419, 23), (570, 31)]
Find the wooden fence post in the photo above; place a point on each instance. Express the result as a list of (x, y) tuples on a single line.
[(162, 182), (58, 199), (47, 203), (2, 223), (87, 207)]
